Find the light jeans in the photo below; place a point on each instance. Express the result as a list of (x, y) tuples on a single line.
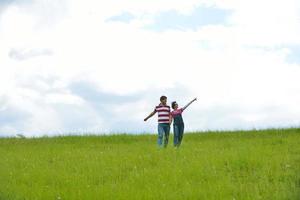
[(163, 134)]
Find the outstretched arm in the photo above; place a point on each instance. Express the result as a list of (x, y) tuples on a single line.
[(189, 104), (150, 115)]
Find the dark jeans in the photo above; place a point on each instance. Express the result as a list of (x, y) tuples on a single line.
[(178, 134), (163, 133)]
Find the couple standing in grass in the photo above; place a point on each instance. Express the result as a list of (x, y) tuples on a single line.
[(165, 118)]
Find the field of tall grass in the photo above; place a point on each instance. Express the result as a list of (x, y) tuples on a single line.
[(209, 165)]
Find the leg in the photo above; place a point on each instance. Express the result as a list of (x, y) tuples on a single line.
[(167, 133), (181, 131), (160, 135), (176, 134)]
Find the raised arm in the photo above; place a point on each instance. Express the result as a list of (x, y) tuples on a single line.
[(189, 104), (150, 115)]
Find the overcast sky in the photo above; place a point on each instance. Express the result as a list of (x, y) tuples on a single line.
[(70, 66)]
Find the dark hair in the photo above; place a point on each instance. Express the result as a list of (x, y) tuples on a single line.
[(163, 98), (173, 104)]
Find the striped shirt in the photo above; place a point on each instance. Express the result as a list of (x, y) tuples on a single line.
[(163, 113)]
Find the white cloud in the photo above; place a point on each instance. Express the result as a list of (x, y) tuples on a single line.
[(237, 71)]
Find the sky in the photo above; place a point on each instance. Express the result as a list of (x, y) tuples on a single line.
[(94, 67)]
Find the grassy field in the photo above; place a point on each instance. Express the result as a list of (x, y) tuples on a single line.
[(228, 165)]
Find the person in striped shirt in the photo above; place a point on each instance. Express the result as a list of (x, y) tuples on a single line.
[(163, 111)]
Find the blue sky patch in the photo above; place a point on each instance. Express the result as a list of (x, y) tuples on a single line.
[(5, 2), (201, 16), (124, 17), (293, 56), (8, 2)]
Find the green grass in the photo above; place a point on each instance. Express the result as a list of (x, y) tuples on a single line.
[(225, 165)]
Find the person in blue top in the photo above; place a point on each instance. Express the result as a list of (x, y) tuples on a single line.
[(178, 124)]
